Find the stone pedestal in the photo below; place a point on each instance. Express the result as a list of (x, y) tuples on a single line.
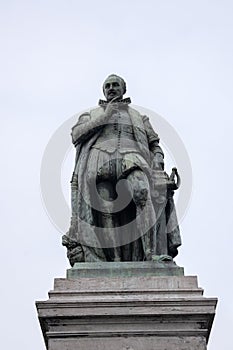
[(126, 306)]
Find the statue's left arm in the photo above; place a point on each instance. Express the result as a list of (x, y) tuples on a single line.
[(154, 147)]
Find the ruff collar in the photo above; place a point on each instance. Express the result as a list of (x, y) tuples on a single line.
[(124, 101)]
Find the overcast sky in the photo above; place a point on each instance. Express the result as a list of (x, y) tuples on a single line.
[(176, 56)]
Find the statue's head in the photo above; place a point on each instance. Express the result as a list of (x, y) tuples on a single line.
[(114, 86)]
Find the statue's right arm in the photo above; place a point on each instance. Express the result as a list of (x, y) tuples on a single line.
[(86, 127)]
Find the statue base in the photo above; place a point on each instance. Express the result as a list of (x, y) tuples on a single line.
[(126, 306)]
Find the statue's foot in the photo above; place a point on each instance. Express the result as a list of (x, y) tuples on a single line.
[(161, 258)]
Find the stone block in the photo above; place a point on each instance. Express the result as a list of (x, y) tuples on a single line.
[(130, 308)]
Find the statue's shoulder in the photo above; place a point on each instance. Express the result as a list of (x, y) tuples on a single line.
[(133, 110), (81, 118), (87, 115), (136, 112), (95, 112), (137, 117)]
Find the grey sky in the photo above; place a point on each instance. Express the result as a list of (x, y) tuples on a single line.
[(176, 56)]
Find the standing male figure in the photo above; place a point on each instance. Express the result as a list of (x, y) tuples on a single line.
[(114, 215)]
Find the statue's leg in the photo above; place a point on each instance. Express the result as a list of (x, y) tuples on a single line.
[(139, 187), (108, 220)]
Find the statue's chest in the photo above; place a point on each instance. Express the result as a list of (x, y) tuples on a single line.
[(119, 126)]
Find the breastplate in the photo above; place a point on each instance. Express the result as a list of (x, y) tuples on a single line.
[(117, 134)]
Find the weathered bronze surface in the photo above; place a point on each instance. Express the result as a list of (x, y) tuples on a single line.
[(122, 199)]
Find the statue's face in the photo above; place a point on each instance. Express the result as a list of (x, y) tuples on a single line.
[(113, 87)]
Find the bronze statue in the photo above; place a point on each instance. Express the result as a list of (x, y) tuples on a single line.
[(122, 199)]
